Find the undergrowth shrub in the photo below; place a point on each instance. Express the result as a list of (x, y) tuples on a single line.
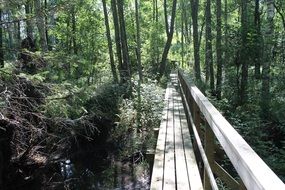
[(264, 136), (136, 134)]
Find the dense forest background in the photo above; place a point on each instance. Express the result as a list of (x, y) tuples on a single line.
[(75, 71)]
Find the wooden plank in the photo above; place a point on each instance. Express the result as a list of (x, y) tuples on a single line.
[(169, 167), (200, 147), (158, 169), (192, 167), (182, 181), (254, 173)]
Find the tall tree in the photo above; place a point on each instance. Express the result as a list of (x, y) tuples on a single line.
[(18, 33), (157, 28), (121, 39), (155, 57), (243, 94), (117, 38), (138, 40), (138, 52), (108, 35), (219, 48), (52, 21), (169, 33), (28, 10), (226, 51), (182, 4), (46, 22), (269, 39), (41, 24), (258, 40), (1, 41), (209, 50), (124, 41), (73, 26), (10, 33), (194, 13)]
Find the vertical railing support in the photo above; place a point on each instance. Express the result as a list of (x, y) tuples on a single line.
[(209, 140)]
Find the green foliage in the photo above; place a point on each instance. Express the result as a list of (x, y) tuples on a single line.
[(67, 101), (151, 103), (263, 136), (133, 133), (105, 100)]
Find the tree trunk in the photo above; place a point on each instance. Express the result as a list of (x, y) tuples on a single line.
[(18, 31), (226, 51), (73, 20), (41, 25), (269, 41), (219, 49), (108, 35), (209, 49), (258, 40), (67, 42), (124, 42), (155, 57), (139, 62), (166, 17), (1, 42), (156, 39), (118, 39), (52, 22), (244, 54), (46, 23), (182, 32), (10, 34), (169, 40), (28, 10), (138, 40), (194, 13)]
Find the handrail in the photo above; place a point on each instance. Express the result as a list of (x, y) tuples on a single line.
[(202, 151), (254, 173)]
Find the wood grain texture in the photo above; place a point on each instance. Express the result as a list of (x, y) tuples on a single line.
[(158, 167), (175, 166)]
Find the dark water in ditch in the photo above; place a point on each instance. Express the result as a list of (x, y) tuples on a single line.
[(95, 166), (98, 169), (118, 175)]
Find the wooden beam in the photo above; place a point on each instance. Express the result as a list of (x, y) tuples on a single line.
[(158, 168), (169, 176), (200, 146), (225, 176), (192, 167), (180, 163)]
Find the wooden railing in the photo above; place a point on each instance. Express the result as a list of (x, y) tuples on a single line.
[(211, 131)]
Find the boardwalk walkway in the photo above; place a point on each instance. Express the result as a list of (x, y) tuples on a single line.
[(175, 165)]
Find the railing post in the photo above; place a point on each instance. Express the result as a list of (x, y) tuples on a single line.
[(209, 141)]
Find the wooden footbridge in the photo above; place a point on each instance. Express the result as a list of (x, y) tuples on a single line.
[(191, 133)]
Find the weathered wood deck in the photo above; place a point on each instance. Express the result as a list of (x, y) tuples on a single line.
[(175, 166)]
